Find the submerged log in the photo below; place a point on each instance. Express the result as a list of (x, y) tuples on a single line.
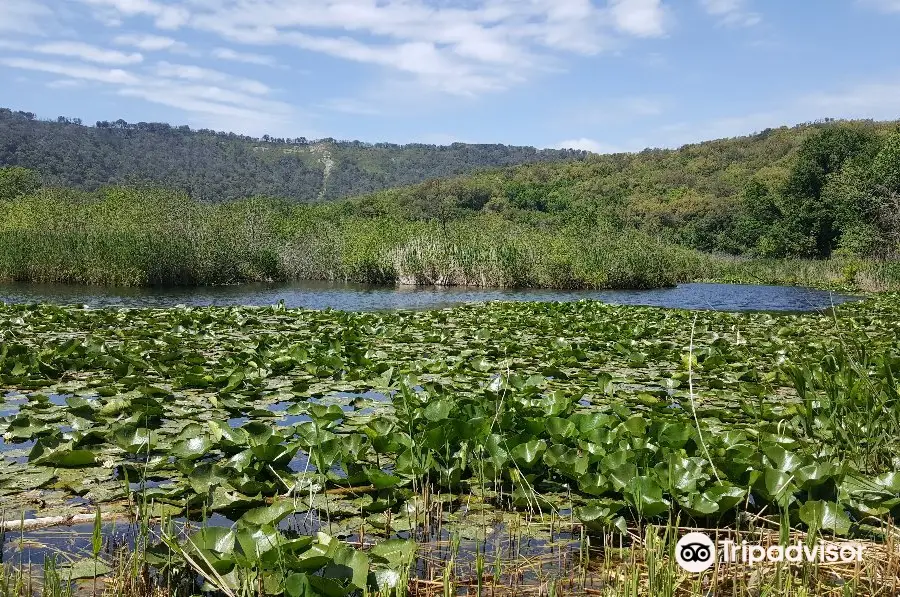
[(32, 524)]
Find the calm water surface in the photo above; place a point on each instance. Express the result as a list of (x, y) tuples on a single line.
[(359, 297)]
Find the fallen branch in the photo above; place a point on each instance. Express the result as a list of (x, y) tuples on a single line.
[(32, 524)]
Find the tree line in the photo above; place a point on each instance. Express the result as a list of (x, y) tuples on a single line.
[(214, 166)]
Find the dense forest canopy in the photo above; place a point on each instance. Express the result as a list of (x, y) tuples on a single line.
[(813, 190), (212, 166), (804, 191)]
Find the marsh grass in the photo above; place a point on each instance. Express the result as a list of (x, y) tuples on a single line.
[(145, 236), (839, 274), (638, 562), (151, 237)]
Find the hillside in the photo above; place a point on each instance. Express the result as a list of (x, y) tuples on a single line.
[(790, 191), (211, 166)]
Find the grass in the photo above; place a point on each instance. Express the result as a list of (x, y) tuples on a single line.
[(150, 237)]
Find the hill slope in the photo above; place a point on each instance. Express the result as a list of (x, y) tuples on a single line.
[(780, 192), (216, 166)]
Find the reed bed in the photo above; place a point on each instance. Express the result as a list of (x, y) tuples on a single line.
[(151, 237), (148, 237)]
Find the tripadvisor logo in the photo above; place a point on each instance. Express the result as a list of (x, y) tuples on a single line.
[(696, 552)]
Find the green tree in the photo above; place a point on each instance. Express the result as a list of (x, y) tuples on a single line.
[(809, 217), (759, 213), (17, 182)]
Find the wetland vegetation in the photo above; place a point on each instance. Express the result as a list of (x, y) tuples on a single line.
[(550, 448), (501, 448), (812, 205)]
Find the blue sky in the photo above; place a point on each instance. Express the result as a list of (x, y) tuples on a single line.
[(602, 75)]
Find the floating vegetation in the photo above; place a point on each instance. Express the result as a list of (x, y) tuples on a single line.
[(270, 450)]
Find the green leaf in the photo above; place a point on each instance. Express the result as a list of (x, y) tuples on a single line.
[(84, 569), (821, 515), (438, 410), (297, 585), (268, 515)]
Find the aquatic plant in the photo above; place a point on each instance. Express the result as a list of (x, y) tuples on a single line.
[(325, 443)]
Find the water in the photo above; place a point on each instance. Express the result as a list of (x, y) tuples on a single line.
[(360, 297)]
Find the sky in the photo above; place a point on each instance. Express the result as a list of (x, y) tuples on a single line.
[(600, 75)]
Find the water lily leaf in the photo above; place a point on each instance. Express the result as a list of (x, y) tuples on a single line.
[(636, 425), (256, 541), (593, 484), (382, 480), (599, 514), (725, 495), (781, 459), (135, 440), (645, 496), (528, 454), (297, 585), (348, 564), (216, 539), (235, 380), (438, 410), (269, 515), (85, 568), (193, 448), (395, 551), (821, 515), (560, 429)]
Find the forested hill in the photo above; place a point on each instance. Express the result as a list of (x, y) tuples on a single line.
[(806, 190), (210, 165)]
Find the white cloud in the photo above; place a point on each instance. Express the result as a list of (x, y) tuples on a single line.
[(196, 73), (82, 51), (76, 50), (212, 99), (878, 101), (73, 71), (166, 16), (64, 83), (888, 6), (149, 43), (865, 100), (731, 12), (642, 18), (24, 16), (588, 145), (461, 48), (245, 57)]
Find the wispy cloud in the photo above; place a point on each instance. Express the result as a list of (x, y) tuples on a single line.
[(889, 6), (588, 145), (64, 83), (149, 43), (864, 100), (643, 18), (166, 16), (457, 48), (76, 50), (245, 57), (74, 71), (212, 99), (196, 73), (24, 16), (733, 13)]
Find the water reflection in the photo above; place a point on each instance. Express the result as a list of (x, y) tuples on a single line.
[(360, 297)]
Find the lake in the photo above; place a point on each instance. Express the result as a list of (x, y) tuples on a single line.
[(361, 297)]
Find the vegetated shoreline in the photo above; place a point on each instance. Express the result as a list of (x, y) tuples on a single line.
[(151, 237)]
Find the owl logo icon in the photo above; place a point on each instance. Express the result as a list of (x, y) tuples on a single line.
[(695, 552)]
